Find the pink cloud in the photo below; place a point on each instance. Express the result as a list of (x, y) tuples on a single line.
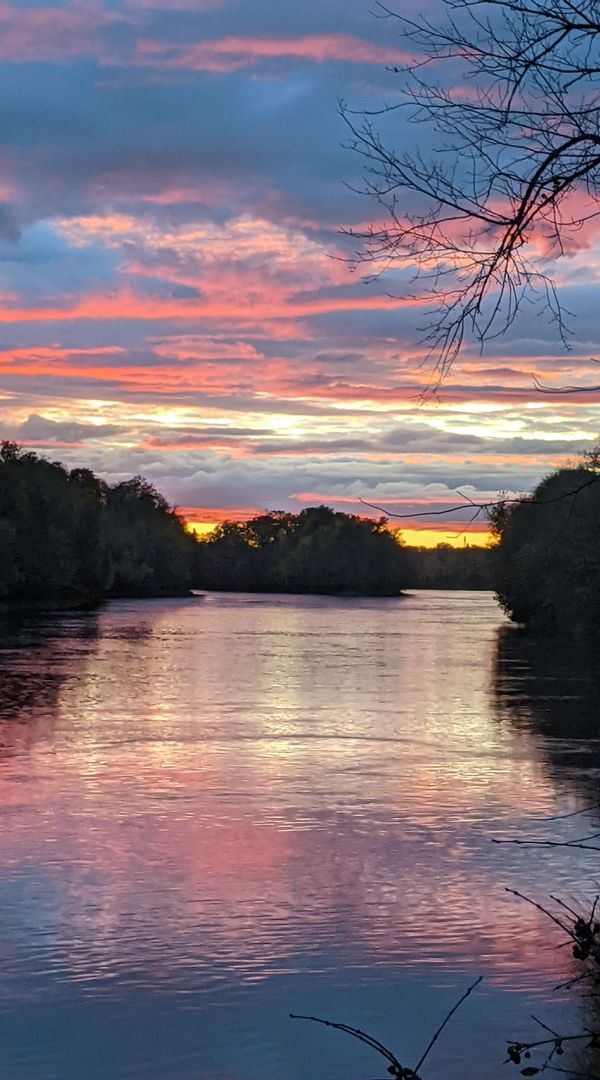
[(216, 514), (178, 5), (232, 53), (127, 305), (62, 33), (143, 185), (52, 33)]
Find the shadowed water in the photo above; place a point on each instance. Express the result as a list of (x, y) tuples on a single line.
[(218, 811)]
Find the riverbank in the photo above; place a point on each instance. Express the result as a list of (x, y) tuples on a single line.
[(50, 607)]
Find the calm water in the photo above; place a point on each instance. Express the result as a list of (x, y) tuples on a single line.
[(215, 812)]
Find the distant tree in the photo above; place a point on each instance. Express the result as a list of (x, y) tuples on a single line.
[(228, 558), (315, 551), (506, 173), (447, 567)]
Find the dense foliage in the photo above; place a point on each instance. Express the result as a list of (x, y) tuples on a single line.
[(446, 567), (315, 551), (548, 556), (69, 538), (321, 551)]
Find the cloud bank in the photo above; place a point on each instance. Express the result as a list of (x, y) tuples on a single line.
[(175, 292)]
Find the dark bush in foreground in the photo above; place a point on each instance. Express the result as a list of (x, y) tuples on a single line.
[(548, 556)]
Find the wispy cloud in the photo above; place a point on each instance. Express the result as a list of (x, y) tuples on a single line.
[(228, 54)]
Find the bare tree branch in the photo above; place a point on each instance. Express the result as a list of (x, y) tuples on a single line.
[(400, 1072), (509, 91)]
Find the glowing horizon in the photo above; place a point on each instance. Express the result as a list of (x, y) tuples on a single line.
[(411, 536)]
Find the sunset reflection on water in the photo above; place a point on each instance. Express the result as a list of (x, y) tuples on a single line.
[(218, 811)]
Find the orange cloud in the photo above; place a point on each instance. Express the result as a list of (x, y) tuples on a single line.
[(127, 305), (214, 515)]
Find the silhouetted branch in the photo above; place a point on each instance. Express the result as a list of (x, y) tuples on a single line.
[(356, 1033), (573, 813), (555, 1044), (519, 500), (509, 89), (584, 933), (446, 1019), (574, 844), (395, 1068), (544, 911)]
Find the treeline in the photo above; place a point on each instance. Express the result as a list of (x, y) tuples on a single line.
[(68, 538), (446, 567), (547, 562), (321, 551)]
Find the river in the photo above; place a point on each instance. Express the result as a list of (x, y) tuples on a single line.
[(218, 811)]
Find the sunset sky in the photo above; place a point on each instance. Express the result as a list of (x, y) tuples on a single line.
[(173, 181)]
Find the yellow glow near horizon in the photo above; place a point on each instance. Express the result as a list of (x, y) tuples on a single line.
[(428, 538), (201, 528)]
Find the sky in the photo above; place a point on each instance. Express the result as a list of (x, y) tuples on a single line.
[(176, 298)]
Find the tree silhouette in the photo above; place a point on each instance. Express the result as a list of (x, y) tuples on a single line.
[(318, 550), (506, 93), (547, 564), (68, 538)]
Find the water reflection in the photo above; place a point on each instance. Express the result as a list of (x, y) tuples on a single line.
[(36, 656), (551, 687), (214, 813)]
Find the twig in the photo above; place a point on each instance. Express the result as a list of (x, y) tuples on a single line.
[(545, 1027), (400, 1072), (437, 1034), (574, 813), (356, 1033), (543, 910), (573, 844), (557, 900)]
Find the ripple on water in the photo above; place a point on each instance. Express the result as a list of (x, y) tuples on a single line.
[(216, 812)]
